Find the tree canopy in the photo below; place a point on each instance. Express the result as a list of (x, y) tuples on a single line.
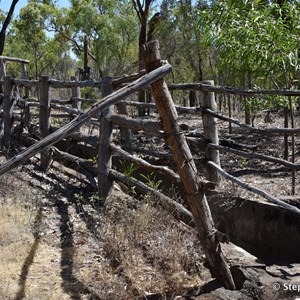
[(246, 43)]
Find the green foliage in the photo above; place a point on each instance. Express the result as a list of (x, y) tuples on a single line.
[(151, 181), (181, 41), (255, 41), (111, 27), (29, 39), (128, 168)]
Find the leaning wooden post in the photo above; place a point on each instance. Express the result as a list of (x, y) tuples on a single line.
[(44, 117), (8, 110), (187, 171), (104, 159), (210, 132)]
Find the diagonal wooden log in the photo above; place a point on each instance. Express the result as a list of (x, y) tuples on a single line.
[(177, 210), (81, 118), (253, 189), (187, 171)]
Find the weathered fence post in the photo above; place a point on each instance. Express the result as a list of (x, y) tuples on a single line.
[(76, 94), (24, 70), (8, 110), (210, 132), (125, 133), (292, 146), (285, 136), (2, 69), (193, 98), (104, 159), (44, 117), (187, 171), (229, 113)]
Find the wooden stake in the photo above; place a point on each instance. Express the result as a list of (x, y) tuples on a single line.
[(44, 117), (8, 110), (76, 94), (293, 146), (125, 133), (187, 171), (211, 133)]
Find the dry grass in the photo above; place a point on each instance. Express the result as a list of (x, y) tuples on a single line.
[(57, 245)]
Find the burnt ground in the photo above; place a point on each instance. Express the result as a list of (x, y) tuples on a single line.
[(57, 243)]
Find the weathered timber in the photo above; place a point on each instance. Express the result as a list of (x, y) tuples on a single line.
[(60, 115), (205, 184), (125, 132), (8, 110), (231, 90), (13, 59), (180, 109), (72, 111), (24, 70), (135, 159), (187, 171), (253, 189), (88, 100), (160, 154), (229, 113), (2, 70), (81, 137), (266, 131), (117, 82), (59, 101), (69, 84), (149, 126), (293, 146), (104, 156), (26, 82), (44, 117), (76, 94), (80, 119), (78, 164), (290, 165), (177, 210), (210, 133)]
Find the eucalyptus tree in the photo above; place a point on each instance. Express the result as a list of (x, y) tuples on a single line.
[(181, 38), (110, 27), (31, 40), (254, 41)]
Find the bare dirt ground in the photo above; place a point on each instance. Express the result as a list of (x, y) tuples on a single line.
[(57, 243)]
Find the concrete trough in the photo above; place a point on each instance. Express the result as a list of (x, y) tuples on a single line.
[(269, 232)]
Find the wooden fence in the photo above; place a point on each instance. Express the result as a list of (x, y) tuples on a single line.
[(64, 143)]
